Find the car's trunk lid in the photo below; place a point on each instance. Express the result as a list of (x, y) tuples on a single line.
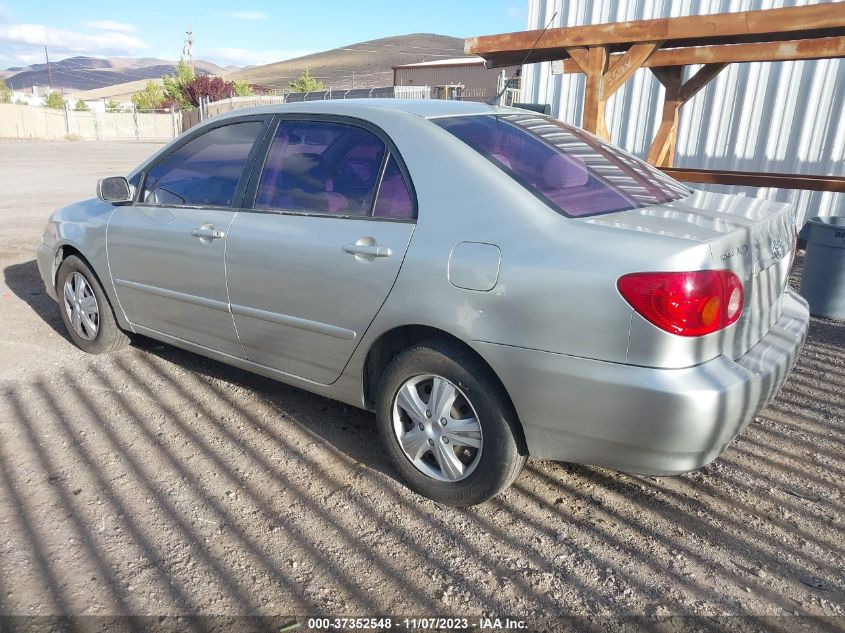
[(751, 237)]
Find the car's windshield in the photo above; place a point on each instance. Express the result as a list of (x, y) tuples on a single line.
[(573, 171)]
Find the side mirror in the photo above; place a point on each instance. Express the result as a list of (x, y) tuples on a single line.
[(114, 189)]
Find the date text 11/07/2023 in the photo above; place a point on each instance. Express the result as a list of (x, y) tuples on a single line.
[(415, 624)]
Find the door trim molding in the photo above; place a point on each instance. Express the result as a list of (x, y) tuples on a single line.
[(173, 294), (295, 322)]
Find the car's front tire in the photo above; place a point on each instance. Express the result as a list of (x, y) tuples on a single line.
[(85, 309), (447, 425)]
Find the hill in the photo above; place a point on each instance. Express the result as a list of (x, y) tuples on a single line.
[(369, 63), (118, 92), (91, 73)]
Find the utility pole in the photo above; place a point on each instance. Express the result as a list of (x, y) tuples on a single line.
[(188, 48), (49, 71)]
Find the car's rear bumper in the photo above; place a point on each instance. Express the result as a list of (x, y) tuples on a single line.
[(640, 419)]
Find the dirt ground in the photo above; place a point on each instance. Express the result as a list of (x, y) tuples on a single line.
[(157, 482)]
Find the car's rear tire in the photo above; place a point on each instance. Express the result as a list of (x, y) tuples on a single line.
[(85, 309), (447, 425)]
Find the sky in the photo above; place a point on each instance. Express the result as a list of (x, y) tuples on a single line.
[(233, 33)]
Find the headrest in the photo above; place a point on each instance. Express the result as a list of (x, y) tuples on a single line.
[(562, 172)]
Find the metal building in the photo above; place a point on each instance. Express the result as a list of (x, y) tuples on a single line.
[(784, 117), (468, 72)]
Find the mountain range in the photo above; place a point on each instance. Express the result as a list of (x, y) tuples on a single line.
[(362, 65), (89, 73)]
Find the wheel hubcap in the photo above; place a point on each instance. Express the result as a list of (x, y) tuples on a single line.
[(81, 307), (437, 428)]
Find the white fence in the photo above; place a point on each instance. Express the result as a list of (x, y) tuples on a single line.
[(32, 122), (784, 117)]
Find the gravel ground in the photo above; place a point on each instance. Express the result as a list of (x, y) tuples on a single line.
[(157, 482)]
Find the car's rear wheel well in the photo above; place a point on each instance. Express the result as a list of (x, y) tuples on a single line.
[(395, 341)]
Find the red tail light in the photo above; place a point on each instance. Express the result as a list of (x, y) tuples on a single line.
[(686, 303)]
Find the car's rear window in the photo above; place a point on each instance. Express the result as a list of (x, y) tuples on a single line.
[(576, 173)]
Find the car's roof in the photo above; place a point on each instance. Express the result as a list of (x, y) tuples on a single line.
[(359, 107)]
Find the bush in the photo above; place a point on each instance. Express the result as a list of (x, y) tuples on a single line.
[(208, 88), (175, 85), (113, 106), (81, 106), (73, 137), (5, 93), (306, 83), (54, 100), (150, 98), (243, 88)]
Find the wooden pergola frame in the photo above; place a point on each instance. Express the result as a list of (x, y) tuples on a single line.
[(609, 54)]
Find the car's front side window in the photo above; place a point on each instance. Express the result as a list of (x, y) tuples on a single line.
[(321, 167), (204, 171)]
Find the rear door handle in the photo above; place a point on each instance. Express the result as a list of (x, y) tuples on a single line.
[(368, 251), (207, 232)]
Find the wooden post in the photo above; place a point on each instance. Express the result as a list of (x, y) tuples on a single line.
[(594, 99), (602, 81), (662, 152)]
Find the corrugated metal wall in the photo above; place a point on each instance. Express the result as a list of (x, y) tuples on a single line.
[(784, 117)]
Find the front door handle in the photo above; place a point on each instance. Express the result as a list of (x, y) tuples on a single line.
[(207, 233)]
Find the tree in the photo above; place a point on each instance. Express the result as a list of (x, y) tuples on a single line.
[(81, 106), (113, 106), (306, 83), (208, 88), (243, 88), (174, 85), (150, 98), (5, 93), (54, 100)]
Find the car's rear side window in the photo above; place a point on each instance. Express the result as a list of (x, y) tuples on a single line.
[(204, 171), (394, 199), (321, 167), (573, 171)]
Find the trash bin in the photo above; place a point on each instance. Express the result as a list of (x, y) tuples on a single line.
[(823, 279)]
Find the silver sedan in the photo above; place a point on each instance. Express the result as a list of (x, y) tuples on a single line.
[(491, 282)]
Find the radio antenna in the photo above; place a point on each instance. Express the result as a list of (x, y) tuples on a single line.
[(495, 99)]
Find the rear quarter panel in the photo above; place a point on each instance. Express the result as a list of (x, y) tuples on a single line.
[(556, 289)]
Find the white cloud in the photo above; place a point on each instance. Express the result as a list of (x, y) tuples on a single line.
[(251, 16), (22, 44), (248, 57), (111, 25)]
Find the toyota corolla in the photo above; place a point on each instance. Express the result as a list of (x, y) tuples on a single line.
[(493, 283)]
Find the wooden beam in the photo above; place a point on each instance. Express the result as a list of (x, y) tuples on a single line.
[(824, 48), (580, 57), (758, 179), (662, 149), (594, 100), (700, 79), (626, 65), (821, 20)]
